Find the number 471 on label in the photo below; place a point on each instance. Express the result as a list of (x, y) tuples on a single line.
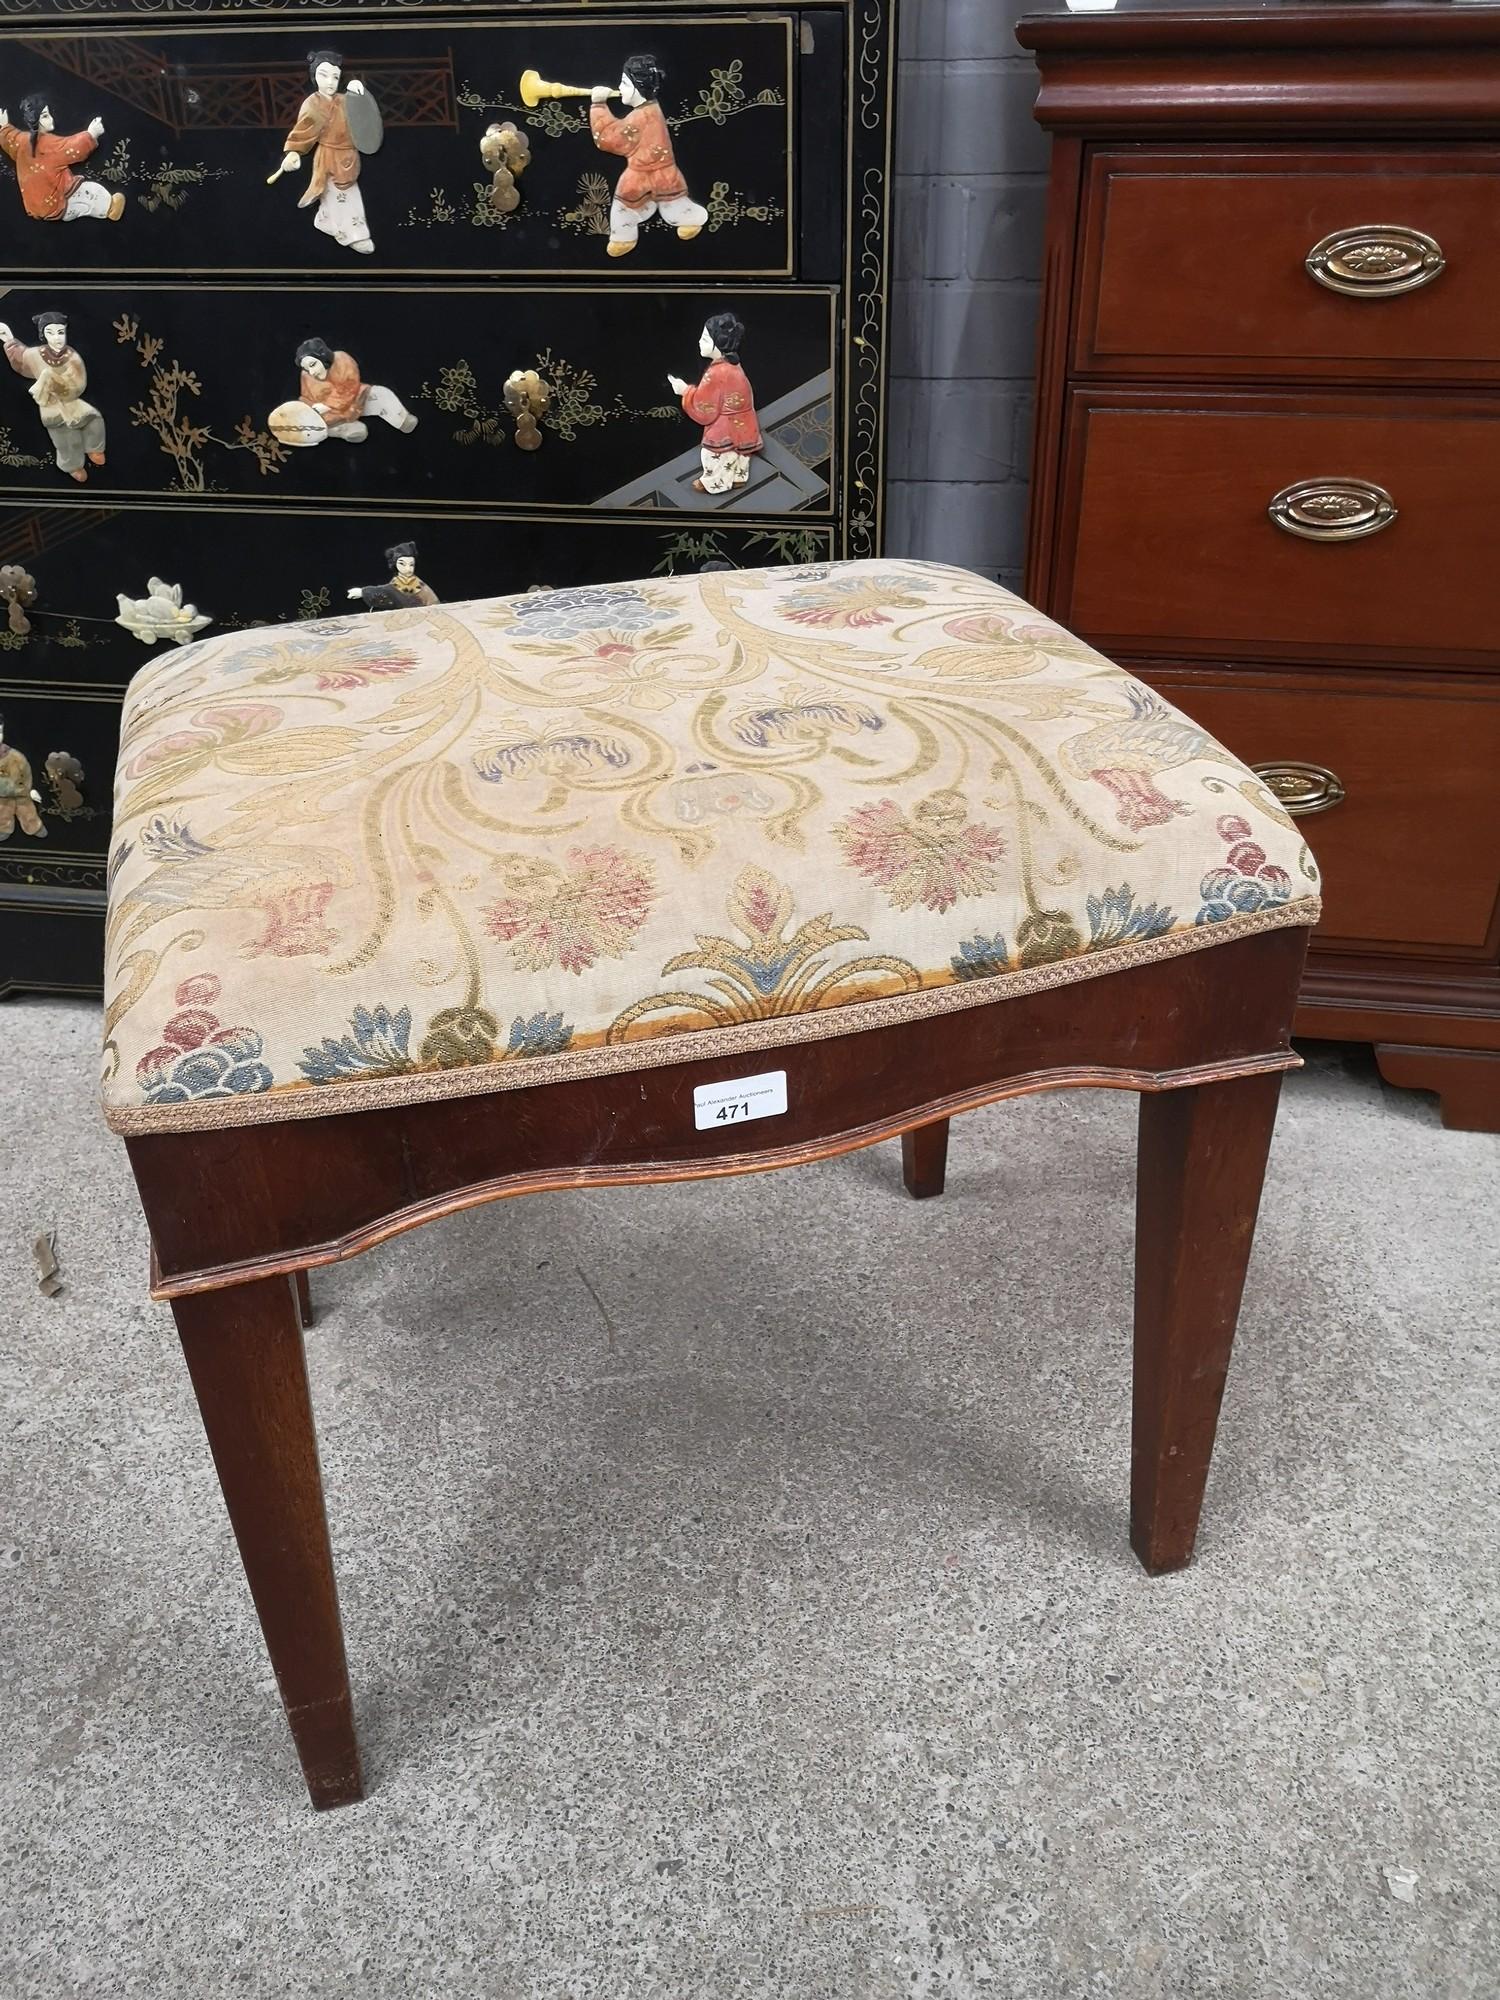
[(739, 1099)]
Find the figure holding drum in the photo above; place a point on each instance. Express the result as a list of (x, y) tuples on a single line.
[(334, 401), (336, 127)]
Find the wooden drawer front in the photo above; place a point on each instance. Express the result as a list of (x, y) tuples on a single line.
[(1410, 856), (1196, 261), (1175, 550)]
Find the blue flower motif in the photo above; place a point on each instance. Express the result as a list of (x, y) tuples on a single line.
[(379, 1045), (981, 958), (117, 861), (790, 721), (299, 640), (568, 614), (585, 753), (1227, 893), (766, 973), (228, 1066), (1115, 917), (170, 840), (542, 1035)]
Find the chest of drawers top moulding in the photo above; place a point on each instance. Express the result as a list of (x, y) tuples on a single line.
[(1301, 67)]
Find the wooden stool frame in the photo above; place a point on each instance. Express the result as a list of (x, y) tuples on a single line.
[(238, 1217)]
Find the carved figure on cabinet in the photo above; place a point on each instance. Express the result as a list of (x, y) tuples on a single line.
[(161, 614), (405, 586), (724, 404), (17, 594), (333, 401), (505, 152), (58, 379), (65, 777), (651, 182), (18, 799), (337, 127), (44, 163)]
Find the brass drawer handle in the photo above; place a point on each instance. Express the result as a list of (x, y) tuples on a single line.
[(1301, 788), (1332, 510), (1375, 261)]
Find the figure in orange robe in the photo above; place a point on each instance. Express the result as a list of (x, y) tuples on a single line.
[(652, 182), (331, 384), (44, 163), (725, 406), (322, 129)]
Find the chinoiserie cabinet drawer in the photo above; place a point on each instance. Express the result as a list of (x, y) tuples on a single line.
[(70, 737), (1290, 261), (197, 113), (1395, 786), (205, 393), (273, 566), (1354, 527)]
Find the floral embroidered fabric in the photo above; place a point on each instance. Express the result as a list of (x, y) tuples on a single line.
[(460, 848)]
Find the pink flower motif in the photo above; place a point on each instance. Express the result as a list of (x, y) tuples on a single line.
[(762, 905), (1142, 801), (200, 991), (164, 749), (294, 923), (1248, 856), (213, 728), (190, 1028), (155, 1066), (932, 856), (572, 917), (360, 673), (980, 628)]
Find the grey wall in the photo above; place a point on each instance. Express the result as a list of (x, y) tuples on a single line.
[(970, 188)]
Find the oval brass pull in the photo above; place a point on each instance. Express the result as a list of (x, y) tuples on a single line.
[(1375, 261), (1332, 510), (1301, 788)]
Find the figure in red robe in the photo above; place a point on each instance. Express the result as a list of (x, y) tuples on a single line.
[(44, 163), (652, 182), (724, 404)]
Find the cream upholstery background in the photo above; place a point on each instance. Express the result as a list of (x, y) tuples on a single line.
[(473, 847)]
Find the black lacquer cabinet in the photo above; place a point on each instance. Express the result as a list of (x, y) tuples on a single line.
[(287, 286)]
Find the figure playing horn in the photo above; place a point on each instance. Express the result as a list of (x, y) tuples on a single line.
[(652, 182)]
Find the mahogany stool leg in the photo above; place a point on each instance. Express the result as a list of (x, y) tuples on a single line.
[(244, 1354), (1201, 1160), (304, 1298), (924, 1159)]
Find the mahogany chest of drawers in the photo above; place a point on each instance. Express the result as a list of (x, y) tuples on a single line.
[(1267, 462)]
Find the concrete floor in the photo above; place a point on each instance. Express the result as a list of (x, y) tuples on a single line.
[(738, 1596)]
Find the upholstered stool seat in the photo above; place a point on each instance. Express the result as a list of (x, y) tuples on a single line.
[(416, 910), (471, 848)]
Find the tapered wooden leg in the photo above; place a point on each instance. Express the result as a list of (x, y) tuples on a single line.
[(244, 1353), (1202, 1158), (924, 1159), (304, 1299)]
